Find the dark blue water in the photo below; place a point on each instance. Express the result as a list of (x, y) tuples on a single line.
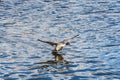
[(94, 55)]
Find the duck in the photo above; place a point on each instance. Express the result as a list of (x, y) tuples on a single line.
[(59, 45)]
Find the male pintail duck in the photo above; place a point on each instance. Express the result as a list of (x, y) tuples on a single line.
[(59, 45)]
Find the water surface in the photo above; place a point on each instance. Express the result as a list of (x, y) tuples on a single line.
[(95, 54)]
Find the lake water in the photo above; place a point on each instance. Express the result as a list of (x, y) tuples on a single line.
[(93, 55)]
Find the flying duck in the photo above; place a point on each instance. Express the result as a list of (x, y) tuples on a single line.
[(59, 45)]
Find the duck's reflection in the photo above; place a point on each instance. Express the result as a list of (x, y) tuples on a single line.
[(53, 65), (50, 65), (57, 56), (58, 59)]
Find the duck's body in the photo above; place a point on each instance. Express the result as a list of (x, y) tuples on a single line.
[(59, 45)]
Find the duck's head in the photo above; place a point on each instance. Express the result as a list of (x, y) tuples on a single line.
[(67, 43)]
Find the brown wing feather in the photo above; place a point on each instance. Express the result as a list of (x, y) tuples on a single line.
[(49, 42), (66, 40)]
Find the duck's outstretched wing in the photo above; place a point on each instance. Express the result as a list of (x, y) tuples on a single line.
[(70, 39), (48, 42)]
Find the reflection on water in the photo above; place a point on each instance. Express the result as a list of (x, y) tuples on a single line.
[(93, 55)]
